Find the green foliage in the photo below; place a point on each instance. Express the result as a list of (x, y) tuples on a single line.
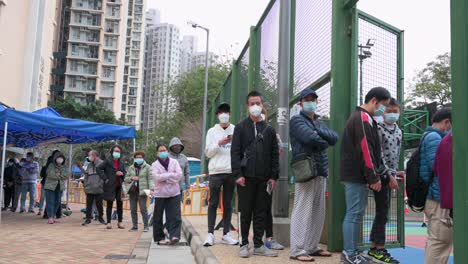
[(433, 83), (95, 112)]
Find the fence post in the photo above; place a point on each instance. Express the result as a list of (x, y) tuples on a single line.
[(252, 71), (340, 90), (235, 109), (459, 64)]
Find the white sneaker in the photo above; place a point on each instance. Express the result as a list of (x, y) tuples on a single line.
[(210, 240), (227, 239)]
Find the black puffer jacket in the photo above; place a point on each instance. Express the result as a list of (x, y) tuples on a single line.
[(311, 137), (108, 172)]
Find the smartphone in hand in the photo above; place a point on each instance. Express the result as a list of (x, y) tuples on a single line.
[(269, 188)]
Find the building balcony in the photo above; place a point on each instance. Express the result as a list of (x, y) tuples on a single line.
[(108, 79), (85, 25), (83, 90), (111, 31), (82, 6), (84, 40), (83, 56), (111, 48), (88, 74), (114, 2)]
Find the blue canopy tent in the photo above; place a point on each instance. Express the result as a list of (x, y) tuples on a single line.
[(46, 126)]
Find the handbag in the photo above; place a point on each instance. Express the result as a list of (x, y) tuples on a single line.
[(304, 168)]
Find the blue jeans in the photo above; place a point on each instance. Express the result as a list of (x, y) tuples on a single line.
[(42, 199), (25, 188), (53, 201), (356, 202)]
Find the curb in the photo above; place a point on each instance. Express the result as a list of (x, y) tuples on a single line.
[(202, 254)]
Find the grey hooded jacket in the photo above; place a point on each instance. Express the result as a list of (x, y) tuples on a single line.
[(182, 159)]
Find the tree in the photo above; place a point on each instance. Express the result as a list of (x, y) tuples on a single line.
[(95, 112), (433, 83)]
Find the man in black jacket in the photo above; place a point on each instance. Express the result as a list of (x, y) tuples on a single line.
[(255, 165), (361, 168)]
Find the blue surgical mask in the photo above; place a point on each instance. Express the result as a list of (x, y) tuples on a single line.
[(309, 107), (163, 154), (116, 155), (391, 118), (138, 161), (380, 111)]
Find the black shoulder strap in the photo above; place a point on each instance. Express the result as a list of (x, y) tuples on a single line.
[(431, 178)]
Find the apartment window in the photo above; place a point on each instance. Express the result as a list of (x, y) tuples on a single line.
[(108, 73)]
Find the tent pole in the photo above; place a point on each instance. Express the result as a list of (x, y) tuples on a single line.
[(5, 134), (70, 151), (134, 145)]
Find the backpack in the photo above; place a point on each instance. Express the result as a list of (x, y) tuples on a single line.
[(416, 188)]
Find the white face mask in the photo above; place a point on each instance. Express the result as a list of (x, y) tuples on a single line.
[(255, 110), (59, 160), (223, 118)]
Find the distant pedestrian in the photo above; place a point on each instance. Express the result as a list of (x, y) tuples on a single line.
[(310, 140), (255, 165), (54, 186), (9, 184), (166, 173), (18, 184), (28, 185), (361, 168), (175, 152), (139, 179), (113, 171), (43, 175), (93, 187), (218, 150)]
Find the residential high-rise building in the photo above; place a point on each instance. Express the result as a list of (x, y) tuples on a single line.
[(188, 49), (153, 17), (162, 66), (26, 46), (198, 59), (90, 59), (133, 70)]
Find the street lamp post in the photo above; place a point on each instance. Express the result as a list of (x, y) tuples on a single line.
[(364, 53), (205, 96)]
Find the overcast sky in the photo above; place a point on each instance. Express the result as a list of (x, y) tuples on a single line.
[(426, 24)]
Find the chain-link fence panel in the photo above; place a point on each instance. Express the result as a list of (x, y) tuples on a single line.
[(227, 90), (312, 42)]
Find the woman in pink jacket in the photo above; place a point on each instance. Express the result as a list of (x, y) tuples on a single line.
[(166, 174)]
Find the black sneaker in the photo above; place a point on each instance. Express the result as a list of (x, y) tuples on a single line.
[(87, 222), (133, 229), (354, 259), (381, 256), (102, 221)]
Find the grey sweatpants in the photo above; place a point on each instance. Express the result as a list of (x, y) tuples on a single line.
[(135, 201), (308, 216)]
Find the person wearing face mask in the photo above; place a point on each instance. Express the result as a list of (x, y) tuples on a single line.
[(113, 171), (175, 152), (93, 187), (166, 174), (255, 166), (9, 184), (391, 138), (30, 173), (18, 184), (439, 224), (361, 168), (311, 138), (218, 150), (43, 175), (138, 178), (54, 185)]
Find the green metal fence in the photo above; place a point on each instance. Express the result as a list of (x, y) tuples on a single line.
[(256, 68)]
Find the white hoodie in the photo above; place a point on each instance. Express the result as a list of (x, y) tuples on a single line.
[(220, 156)]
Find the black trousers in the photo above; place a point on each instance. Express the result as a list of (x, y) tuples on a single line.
[(253, 203), (382, 205), (228, 183), (269, 218), (9, 196), (110, 204), (171, 206), (90, 198)]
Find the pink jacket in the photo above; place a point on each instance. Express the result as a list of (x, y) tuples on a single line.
[(166, 182)]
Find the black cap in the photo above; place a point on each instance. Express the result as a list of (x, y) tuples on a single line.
[(307, 92)]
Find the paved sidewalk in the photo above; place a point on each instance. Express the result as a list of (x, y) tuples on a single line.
[(229, 254), (26, 238)]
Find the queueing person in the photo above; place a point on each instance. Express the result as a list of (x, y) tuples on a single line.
[(311, 138), (269, 241), (30, 170), (391, 138), (9, 184), (255, 166), (361, 168), (112, 170), (439, 224), (218, 150), (18, 184), (139, 178), (166, 174), (54, 185), (43, 174), (93, 187), (175, 152)]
